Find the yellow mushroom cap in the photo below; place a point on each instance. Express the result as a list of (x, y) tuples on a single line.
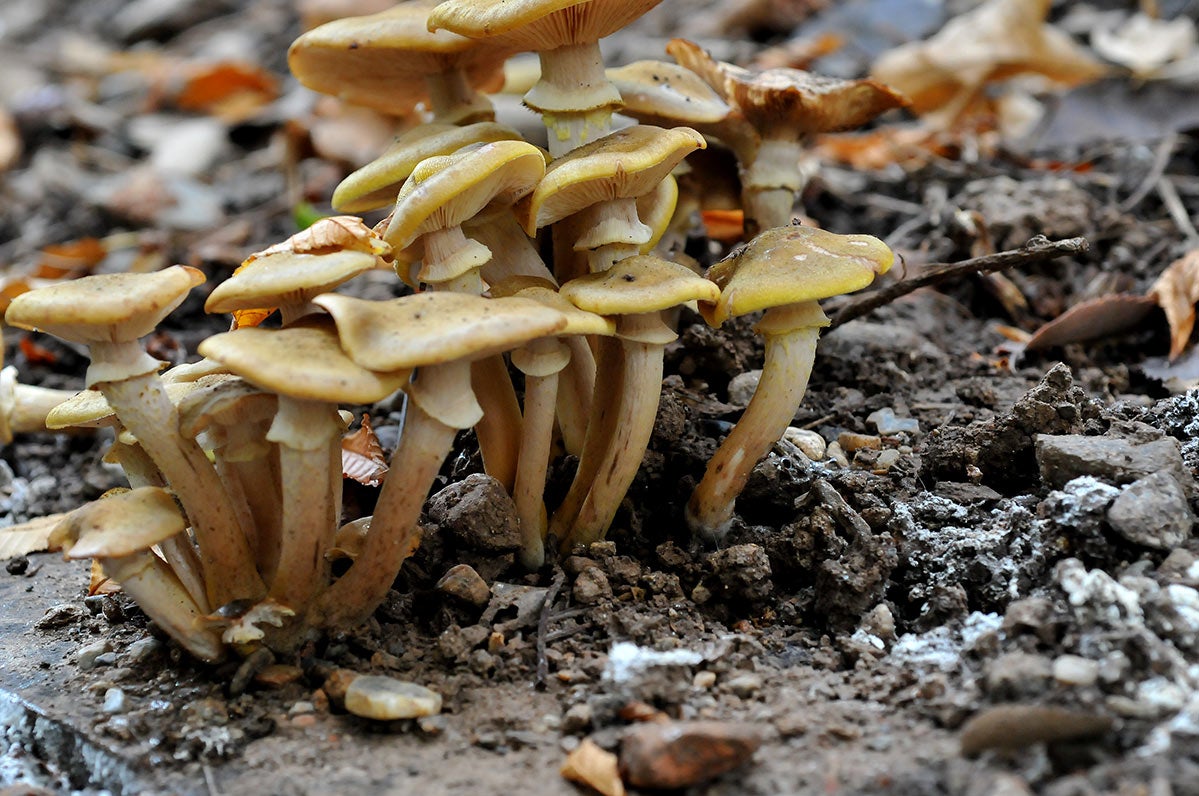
[(303, 361), (787, 265), (658, 92), (537, 24), (121, 524), (377, 60), (622, 165), (104, 308), (578, 321), (285, 277), (789, 101), (435, 328), (90, 409), (639, 284), (446, 190), (376, 184)]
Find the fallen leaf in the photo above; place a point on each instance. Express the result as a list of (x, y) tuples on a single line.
[(727, 226), (590, 765), (997, 40), (231, 91), (74, 258), (362, 457), (99, 583), (1093, 319), (1176, 292), (243, 319), (330, 234), (28, 537), (1144, 44), (36, 354)]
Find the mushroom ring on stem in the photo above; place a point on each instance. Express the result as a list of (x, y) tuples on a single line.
[(785, 271)]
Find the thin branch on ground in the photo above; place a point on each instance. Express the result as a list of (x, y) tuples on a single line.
[(551, 594), (1037, 250)]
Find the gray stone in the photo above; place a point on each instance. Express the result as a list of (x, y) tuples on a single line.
[(744, 571), (1018, 674), (889, 425), (742, 387), (1152, 512), (141, 650), (745, 685), (592, 586), (115, 701), (478, 513), (1064, 457), (88, 655), (387, 699)]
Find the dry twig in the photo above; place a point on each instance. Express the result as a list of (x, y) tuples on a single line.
[(1037, 250)]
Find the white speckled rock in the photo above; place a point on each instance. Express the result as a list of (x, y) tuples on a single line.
[(385, 699), (811, 443)]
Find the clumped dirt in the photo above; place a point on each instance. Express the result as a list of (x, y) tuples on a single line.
[(956, 581)]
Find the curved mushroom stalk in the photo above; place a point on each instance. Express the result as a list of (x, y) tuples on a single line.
[(441, 403), (23, 407), (789, 358), (643, 340)]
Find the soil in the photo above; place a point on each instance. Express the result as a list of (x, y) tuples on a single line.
[(999, 597)]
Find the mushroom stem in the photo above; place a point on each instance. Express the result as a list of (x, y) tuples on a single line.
[(25, 406), (643, 341), (791, 333), (575, 387), (310, 468), (541, 362), (499, 431), (154, 587), (255, 468), (574, 95), (601, 427), (452, 99), (394, 533), (771, 183), (513, 252), (142, 405)]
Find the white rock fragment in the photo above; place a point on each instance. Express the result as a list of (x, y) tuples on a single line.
[(626, 659), (387, 699), (889, 425), (809, 442), (1075, 670)]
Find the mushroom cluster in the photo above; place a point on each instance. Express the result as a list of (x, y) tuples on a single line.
[(519, 259)]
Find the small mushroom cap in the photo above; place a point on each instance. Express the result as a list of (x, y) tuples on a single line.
[(90, 409), (793, 264), (659, 92), (446, 190), (578, 321), (435, 328), (656, 210), (104, 308), (376, 184), (120, 524), (223, 399), (622, 165), (789, 102), (377, 60), (303, 361), (638, 285), (537, 24), (283, 277)]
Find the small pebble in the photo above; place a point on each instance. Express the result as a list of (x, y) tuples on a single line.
[(704, 679), (1075, 670), (88, 655), (465, 584), (683, 753), (577, 719), (811, 443), (745, 685), (837, 453), (889, 425), (300, 707), (142, 649), (115, 701), (743, 386), (886, 460), (337, 684), (386, 699), (17, 566), (591, 586), (850, 441)]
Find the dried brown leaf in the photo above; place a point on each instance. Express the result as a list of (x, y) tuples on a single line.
[(1093, 319), (1176, 292), (70, 259), (99, 583), (28, 537), (590, 765), (995, 41), (232, 91), (331, 234), (362, 457)]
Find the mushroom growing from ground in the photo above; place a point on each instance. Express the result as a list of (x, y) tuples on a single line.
[(636, 290), (785, 271), (573, 95), (119, 531), (784, 106), (108, 313), (390, 61), (439, 334), (306, 368), (23, 407)]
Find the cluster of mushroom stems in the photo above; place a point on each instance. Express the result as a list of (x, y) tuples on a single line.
[(229, 533)]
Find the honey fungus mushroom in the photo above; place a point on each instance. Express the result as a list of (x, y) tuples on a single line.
[(390, 61), (109, 313), (784, 271)]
